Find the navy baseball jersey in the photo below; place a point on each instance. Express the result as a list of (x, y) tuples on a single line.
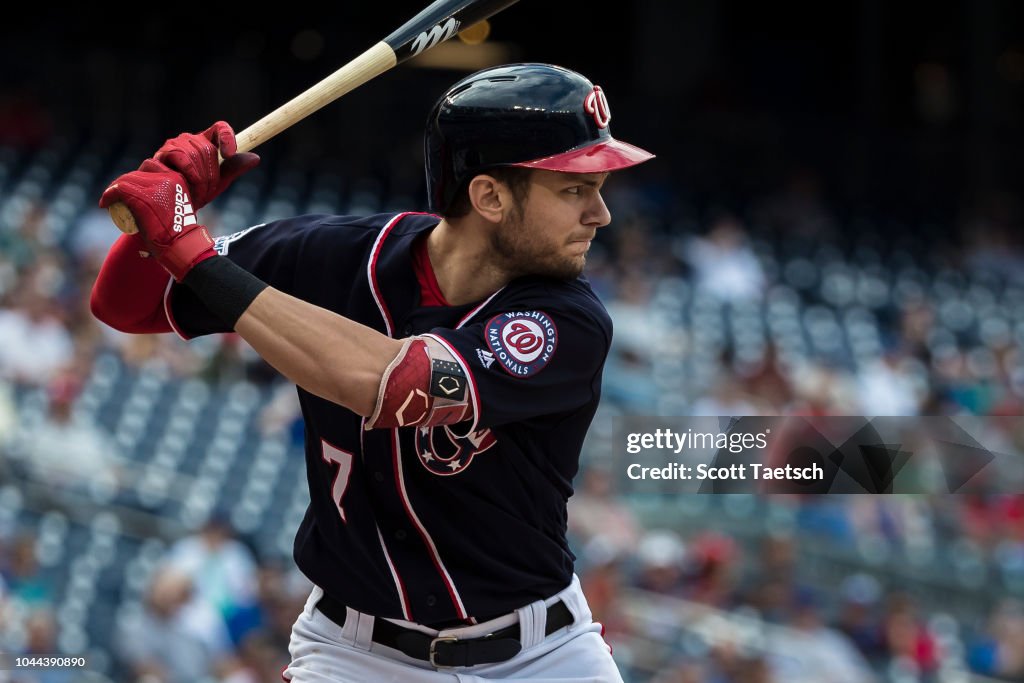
[(445, 523)]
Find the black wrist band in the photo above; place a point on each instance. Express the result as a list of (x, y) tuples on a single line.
[(223, 287)]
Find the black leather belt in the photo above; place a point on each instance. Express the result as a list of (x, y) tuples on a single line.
[(450, 651)]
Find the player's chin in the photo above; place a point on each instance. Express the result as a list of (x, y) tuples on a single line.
[(572, 268)]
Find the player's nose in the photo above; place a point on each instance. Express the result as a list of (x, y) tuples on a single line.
[(597, 213)]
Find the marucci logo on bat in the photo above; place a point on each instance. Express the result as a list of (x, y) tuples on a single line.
[(436, 34), (184, 216)]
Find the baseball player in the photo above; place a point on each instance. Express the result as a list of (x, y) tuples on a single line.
[(448, 366)]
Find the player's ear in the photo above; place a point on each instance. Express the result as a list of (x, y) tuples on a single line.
[(489, 197)]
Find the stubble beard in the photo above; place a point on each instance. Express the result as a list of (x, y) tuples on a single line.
[(521, 254)]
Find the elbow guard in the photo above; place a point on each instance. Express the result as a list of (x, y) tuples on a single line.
[(423, 386)]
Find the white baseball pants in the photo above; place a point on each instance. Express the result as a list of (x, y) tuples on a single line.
[(323, 652)]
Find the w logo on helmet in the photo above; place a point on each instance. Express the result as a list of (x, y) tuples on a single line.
[(596, 105)]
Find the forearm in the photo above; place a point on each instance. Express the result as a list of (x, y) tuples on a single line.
[(324, 353)]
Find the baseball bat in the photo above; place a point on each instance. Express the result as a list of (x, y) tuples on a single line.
[(438, 22)]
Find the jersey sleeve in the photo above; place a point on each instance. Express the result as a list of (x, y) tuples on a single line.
[(532, 362), (288, 255)]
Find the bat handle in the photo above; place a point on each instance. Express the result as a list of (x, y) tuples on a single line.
[(123, 218), (373, 62)]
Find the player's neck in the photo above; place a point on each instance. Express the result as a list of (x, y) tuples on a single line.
[(463, 264)]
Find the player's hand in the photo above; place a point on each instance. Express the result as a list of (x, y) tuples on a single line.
[(159, 200), (194, 155)]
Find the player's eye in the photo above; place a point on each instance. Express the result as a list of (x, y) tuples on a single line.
[(576, 189)]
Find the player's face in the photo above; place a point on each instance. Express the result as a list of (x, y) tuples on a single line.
[(550, 232)]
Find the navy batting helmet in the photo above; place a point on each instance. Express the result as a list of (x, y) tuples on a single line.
[(527, 115)]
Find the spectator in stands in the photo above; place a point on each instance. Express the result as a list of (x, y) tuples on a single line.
[(729, 663), (713, 560), (888, 387), (36, 343), (774, 580), (149, 350), (778, 557), (1008, 518), (723, 264), (283, 415), (768, 383), (640, 334), (1000, 650), (825, 650), (71, 453), (224, 573), (897, 521), (771, 597), (41, 639), (822, 388), (227, 365), (906, 637), (594, 511), (29, 236), (1009, 396), (20, 571), (631, 310), (661, 556), (283, 591), (860, 594), (175, 639), (92, 238), (600, 570), (917, 322), (260, 660)]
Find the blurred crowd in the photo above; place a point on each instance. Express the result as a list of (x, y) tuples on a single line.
[(773, 309), (210, 612), (885, 324), (863, 622)]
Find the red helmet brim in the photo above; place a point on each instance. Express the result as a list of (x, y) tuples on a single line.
[(608, 155)]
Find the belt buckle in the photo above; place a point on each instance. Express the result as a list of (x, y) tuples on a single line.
[(433, 650)]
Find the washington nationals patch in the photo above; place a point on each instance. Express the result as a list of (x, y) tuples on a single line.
[(522, 342)]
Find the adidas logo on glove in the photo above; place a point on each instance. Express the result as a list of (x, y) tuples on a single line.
[(184, 216)]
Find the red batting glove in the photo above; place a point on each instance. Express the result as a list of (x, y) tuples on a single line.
[(194, 155), (159, 200)]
